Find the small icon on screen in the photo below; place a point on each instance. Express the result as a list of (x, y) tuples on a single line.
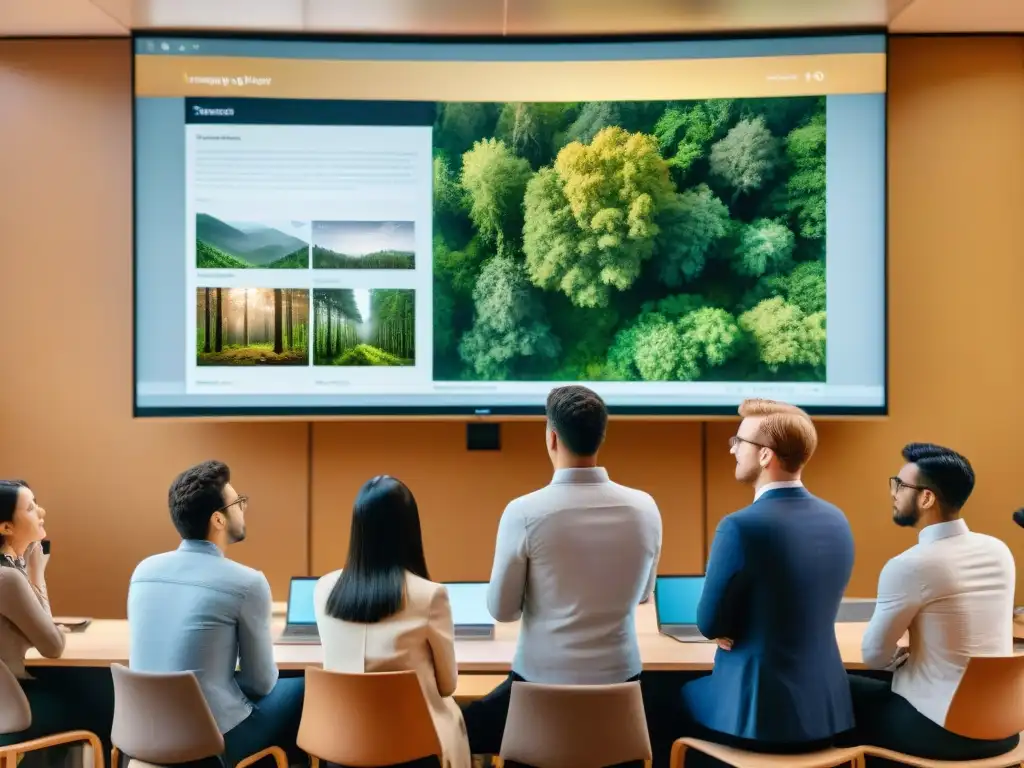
[(164, 47), (181, 48), (150, 45), (195, 46), (819, 76)]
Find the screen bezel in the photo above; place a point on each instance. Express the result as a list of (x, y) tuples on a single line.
[(291, 594), (657, 605), (470, 413)]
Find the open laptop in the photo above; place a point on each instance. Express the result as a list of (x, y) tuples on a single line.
[(675, 600), (300, 627), (469, 610)]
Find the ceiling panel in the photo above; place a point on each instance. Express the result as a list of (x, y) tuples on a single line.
[(960, 16), (56, 18), (606, 17)]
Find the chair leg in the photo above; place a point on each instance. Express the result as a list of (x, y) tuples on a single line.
[(280, 758), (678, 759)]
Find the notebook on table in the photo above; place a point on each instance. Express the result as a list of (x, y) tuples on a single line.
[(468, 600), (300, 620), (675, 601)]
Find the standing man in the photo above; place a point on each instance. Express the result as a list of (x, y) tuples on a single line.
[(775, 578), (953, 591), (193, 610), (572, 560)]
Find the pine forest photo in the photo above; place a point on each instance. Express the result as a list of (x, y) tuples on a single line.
[(630, 241), (252, 326), (359, 326)]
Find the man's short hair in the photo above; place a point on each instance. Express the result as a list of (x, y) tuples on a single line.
[(786, 429), (948, 474), (579, 417), (195, 495)]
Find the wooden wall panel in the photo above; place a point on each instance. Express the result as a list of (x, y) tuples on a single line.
[(462, 494), (66, 378)]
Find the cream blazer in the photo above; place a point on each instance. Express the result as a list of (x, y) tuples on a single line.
[(420, 637)]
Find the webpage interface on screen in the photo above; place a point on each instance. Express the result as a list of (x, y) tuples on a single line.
[(339, 226)]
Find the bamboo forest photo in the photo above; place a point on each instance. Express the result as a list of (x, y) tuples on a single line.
[(252, 326), (359, 326), (630, 241)]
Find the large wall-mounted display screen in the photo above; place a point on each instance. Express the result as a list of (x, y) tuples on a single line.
[(455, 228)]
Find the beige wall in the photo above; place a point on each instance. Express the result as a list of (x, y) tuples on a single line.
[(956, 134)]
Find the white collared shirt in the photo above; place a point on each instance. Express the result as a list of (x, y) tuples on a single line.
[(573, 560), (954, 592), (778, 484)]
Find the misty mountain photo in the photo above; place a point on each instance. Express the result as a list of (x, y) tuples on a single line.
[(224, 244), (364, 245)]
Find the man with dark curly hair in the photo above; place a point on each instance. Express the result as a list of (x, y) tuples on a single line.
[(195, 610)]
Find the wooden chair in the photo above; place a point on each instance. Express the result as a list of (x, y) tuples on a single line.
[(163, 719), (988, 704), (16, 716), (575, 726), (739, 758), (366, 719)]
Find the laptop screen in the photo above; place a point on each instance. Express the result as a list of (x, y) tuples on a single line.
[(300, 601), (469, 603), (676, 598)]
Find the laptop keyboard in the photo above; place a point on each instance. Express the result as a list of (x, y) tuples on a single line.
[(301, 630)]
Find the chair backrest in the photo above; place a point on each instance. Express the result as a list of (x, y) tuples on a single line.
[(989, 702), (575, 726), (15, 712), (162, 718), (366, 719)]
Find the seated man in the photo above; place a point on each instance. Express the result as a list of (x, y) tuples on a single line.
[(775, 579), (953, 591), (195, 610), (573, 560)]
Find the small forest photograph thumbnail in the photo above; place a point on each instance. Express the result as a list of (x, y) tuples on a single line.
[(630, 241), (252, 326), (364, 245), (362, 326), (230, 244)]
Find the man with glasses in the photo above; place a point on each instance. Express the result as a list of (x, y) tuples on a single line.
[(775, 578), (953, 592), (195, 610)]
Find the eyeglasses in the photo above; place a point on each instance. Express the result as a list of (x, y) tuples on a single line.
[(895, 484), (241, 501), (735, 440)]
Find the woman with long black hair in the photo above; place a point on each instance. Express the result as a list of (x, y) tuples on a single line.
[(382, 613)]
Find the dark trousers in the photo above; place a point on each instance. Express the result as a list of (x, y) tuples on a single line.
[(274, 722), (485, 718), (67, 699), (885, 719), (668, 720)]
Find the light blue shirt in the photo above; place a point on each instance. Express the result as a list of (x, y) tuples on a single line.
[(194, 610)]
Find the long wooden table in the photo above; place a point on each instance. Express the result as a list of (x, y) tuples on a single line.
[(106, 641)]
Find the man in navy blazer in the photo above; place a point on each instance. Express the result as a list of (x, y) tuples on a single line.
[(775, 578)]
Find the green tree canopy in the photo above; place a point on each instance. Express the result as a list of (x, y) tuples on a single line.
[(592, 220), (495, 180), (804, 287), (805, 187), (460, 268), (747, 157), (784, 335), (509, 323), (764, 246), (693, 222), (710, 336)]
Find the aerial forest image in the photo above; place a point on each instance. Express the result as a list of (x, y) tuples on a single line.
[(250, 245), (361, 326), (630, 241), (364, 245), (252, 326)]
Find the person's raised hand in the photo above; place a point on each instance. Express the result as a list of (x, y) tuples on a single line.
[(35, 561)]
